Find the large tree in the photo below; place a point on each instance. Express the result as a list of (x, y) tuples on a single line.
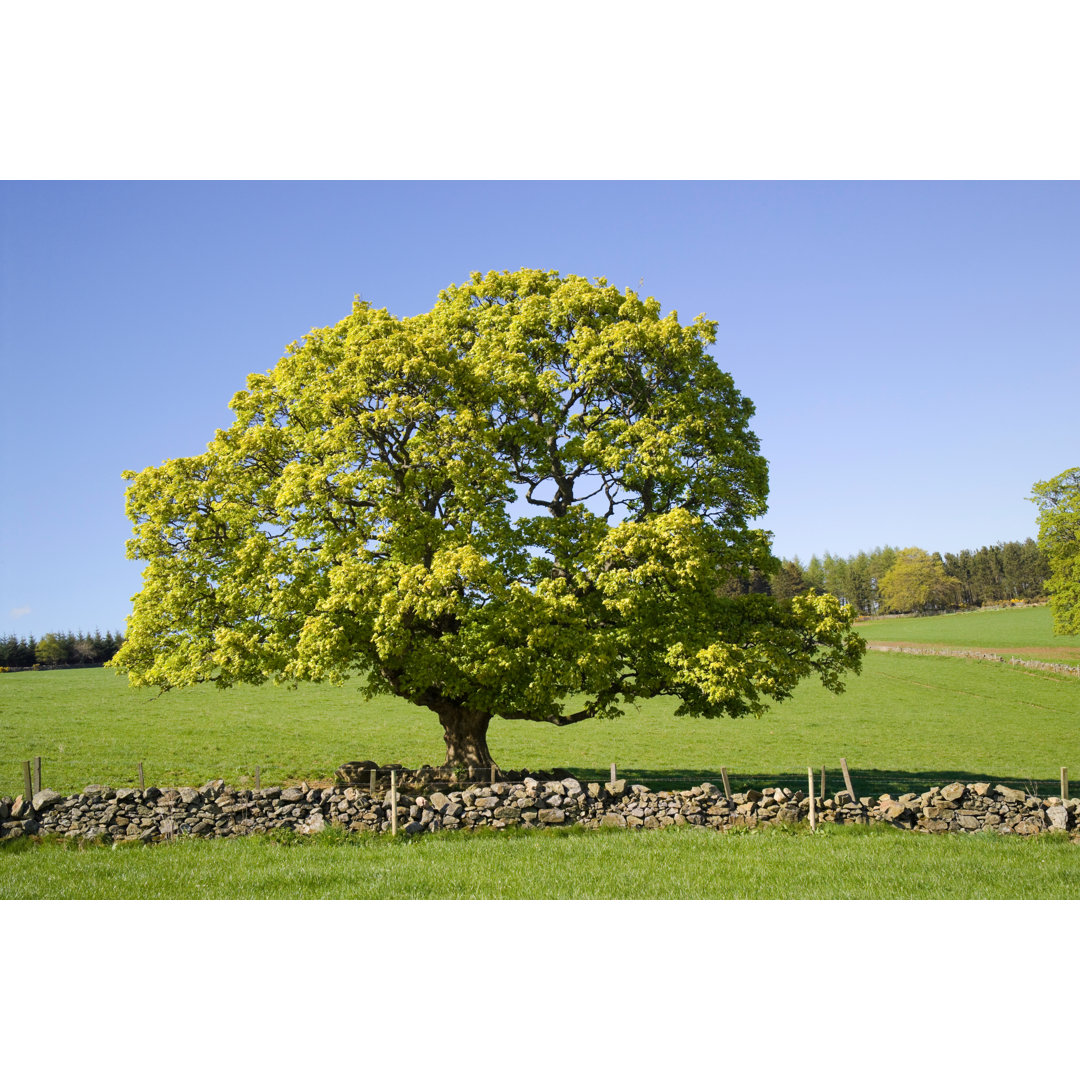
[(527, 502), (1058, 501)]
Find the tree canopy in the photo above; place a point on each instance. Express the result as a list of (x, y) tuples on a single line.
[(917, 582), (1058, 501), (527, 502)]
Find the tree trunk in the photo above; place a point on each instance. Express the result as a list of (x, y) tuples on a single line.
[(465, 735)]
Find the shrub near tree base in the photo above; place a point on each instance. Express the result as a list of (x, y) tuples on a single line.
[(540, 489)]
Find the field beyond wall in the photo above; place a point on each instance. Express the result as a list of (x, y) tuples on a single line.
[(906, 724)]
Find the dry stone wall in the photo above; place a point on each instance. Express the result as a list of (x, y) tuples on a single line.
[(151, 815)]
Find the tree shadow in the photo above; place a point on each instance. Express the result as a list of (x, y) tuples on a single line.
[(865, 781)]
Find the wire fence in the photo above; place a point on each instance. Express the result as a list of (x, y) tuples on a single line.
[(31, 775)]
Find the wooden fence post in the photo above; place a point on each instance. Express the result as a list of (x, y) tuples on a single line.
[(614, 773), (28, 790), (372, 782), (847, 779), (393, 802), (813, 809), (1064, 782), (823, 785), (37, 775), (142, 779), (494, 771), (727, 783)]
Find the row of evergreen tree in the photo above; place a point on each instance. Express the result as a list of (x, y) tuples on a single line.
[(991, 575), (64, 649)]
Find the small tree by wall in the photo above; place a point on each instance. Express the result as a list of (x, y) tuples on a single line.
[(917, 582)]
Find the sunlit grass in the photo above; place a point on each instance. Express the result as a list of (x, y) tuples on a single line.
[(777, 863), (907, 723), (1009, 631)]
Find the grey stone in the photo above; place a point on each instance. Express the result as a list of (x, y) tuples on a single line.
[(1027, 827), (1058, 817), (45, 798), (293, 795), (953, 792), (1010, 794), (552, 816), (188, 795), (438, 800), (615, 787)]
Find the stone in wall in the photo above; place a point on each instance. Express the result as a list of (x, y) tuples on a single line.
[(151, 815)]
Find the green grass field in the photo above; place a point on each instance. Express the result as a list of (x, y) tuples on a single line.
[(1025, 632), (907, 723), (835, 863)]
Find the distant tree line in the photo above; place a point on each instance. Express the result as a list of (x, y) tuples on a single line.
[(890, 579), (63, 649)]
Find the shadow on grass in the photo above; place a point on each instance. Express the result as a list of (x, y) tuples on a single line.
[(865, 781)]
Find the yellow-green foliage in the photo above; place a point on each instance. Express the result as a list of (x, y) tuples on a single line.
[(1058, 501), (537, 489), (917, 581)]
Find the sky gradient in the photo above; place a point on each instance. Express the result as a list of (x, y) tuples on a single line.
[(912, 348)]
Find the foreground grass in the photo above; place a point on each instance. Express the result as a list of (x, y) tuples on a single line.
[(907, 723), (834, 864), (1026, 632)]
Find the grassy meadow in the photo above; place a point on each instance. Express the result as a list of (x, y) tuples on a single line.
[(1025, 632), (836, 863), (907, 723)]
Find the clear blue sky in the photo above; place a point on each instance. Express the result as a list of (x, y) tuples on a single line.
[(913, 349)]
